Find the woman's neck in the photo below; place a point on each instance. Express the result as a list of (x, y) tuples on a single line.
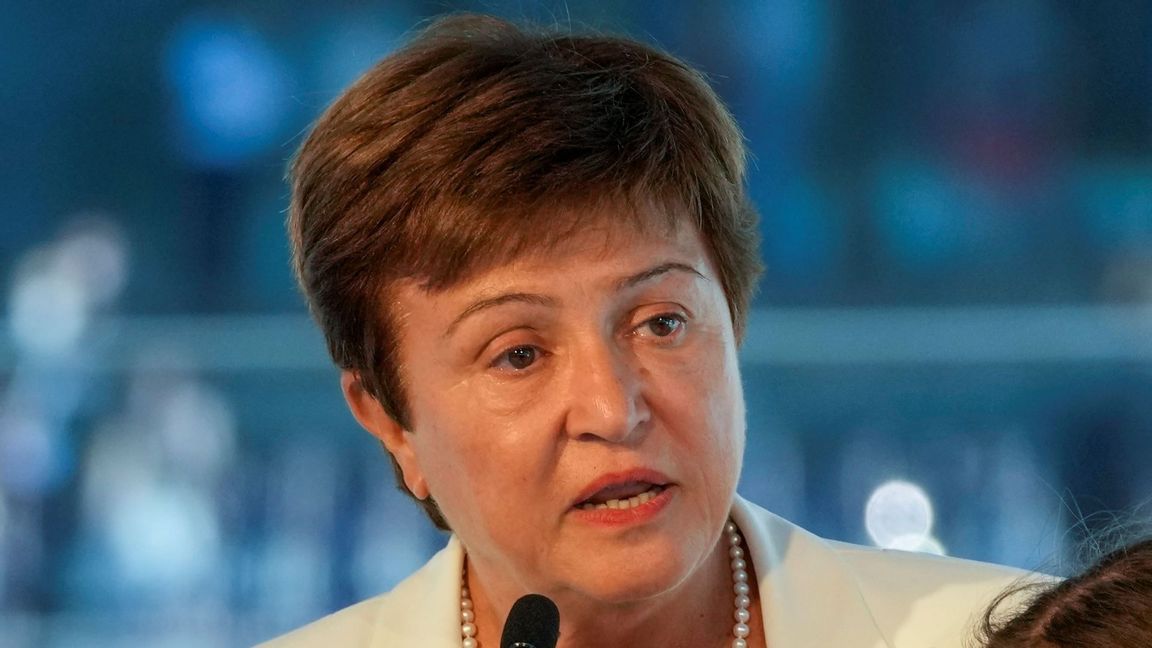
[(698, 613)]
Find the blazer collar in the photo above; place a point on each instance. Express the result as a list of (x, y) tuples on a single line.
[(808, 596), (429, 609)]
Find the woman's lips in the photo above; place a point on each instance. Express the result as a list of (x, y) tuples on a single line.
[(620, 513), (622, 500), (622, 485)]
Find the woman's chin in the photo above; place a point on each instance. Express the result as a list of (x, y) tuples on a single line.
[(625, 577)]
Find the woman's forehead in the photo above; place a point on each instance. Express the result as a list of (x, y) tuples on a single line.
[(605, 260), (594, 231), (604, 255)]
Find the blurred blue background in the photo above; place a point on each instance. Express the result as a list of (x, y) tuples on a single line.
[(951, 350)]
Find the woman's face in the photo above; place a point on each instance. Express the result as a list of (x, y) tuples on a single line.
[(578, 415)]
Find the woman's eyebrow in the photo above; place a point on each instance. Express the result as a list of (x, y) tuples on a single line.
[(655, 271), (498, 300)]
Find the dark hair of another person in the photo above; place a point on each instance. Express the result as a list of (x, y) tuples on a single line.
[(1107, 606), (480, 142)]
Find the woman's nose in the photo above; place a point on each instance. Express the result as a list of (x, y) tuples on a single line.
[(606, 396)]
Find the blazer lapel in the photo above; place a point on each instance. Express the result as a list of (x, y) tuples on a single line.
[(807, 595), (427, 613)]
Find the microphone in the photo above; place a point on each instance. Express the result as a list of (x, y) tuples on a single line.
[(534, 622)]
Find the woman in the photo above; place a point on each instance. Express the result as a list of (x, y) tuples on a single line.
[(532, 255), (1107, 606)]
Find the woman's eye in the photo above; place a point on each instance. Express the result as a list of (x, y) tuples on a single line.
[(517, 358), (664, 325)]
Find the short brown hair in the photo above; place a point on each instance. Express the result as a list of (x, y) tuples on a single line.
[(452, 155), (1107, 606)]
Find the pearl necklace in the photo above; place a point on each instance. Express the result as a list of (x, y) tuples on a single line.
[(740, 588)]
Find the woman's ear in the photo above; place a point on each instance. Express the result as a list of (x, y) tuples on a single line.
[(372, 417)]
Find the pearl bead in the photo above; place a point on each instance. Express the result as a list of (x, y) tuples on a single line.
[(736, 552), (742, 615), (741, 630), (467, 616), (465, 603), (743, 601), (741, 589), (739, 575), (736, 643), (734, 540), (469, 642), (468, 629), (730, 527), (739, 563)]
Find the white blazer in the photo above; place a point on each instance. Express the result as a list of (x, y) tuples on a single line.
[(813, 593)]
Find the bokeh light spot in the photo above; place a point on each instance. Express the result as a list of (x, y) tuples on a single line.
[(899, 515), (49, 312)]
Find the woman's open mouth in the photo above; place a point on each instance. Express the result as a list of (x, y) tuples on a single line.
[(622, 500)]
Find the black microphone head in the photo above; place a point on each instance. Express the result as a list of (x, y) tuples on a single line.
[(534, 622)]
